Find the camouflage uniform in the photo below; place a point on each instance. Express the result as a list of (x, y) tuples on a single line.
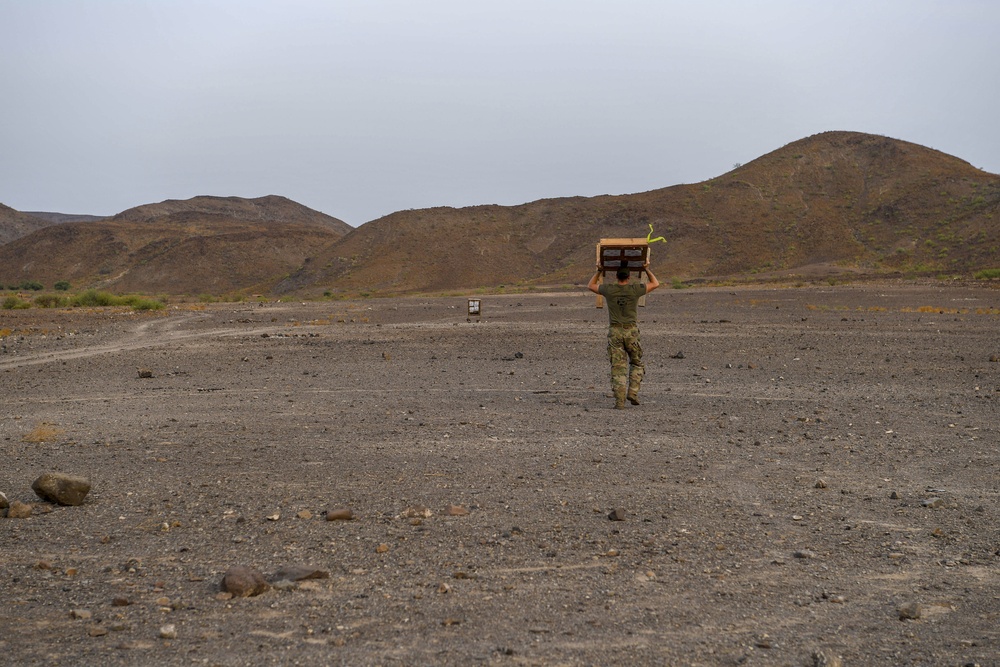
[(624, 348)]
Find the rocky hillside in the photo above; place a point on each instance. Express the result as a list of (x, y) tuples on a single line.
[(834, 203), (15, 224), (210, 245)]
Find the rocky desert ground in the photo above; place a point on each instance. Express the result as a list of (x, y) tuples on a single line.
[(811, 479)]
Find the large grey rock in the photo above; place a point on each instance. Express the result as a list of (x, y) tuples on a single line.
[(61, 489)]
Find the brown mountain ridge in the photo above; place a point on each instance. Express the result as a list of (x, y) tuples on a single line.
[(203, 245), (833, 203), (837, 203)]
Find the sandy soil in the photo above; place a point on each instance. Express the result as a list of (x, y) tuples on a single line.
[(812, 462)]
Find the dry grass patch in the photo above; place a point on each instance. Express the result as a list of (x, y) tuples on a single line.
[(43, 432)]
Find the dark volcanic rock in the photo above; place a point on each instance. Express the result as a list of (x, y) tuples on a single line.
[(61, 489)]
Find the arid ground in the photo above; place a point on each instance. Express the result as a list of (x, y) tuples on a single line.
[(812, 476)]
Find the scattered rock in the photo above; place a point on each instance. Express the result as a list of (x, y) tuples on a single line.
[(679, 355), (81, 614), (910, 611), (168, 631), (61, 489), (339, 515), (382, 548), (617, 515), (455, 510), (19, 510), (994, 358), (804, 553), (821, 659), (417, 512), (274, 517), (3, 501), (120, 602), (820, 484), (894, 495), (305, 514), (144, 372), (97, 631), (298, 573), (933, 503), (242, 581)]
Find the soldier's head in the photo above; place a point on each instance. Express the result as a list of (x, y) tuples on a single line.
[(622, 274)]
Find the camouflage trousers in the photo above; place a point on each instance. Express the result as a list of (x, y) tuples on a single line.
[(625, 354)]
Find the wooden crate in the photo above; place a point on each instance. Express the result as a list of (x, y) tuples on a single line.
[(613, 253)]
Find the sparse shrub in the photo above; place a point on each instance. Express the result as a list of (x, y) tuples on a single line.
[(50, 301), (13, 302), (677, 283), (62, 285), (96, 299), (93, 298), (32, 285), (43, 432), (987, 274)]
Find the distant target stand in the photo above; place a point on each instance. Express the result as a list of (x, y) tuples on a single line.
[(475, 310)]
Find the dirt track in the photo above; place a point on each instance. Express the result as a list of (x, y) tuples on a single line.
[(778, 483)]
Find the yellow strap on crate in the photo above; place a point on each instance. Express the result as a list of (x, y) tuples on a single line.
[(649, 236)]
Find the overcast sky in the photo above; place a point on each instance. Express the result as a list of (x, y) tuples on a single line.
[(359, 108)]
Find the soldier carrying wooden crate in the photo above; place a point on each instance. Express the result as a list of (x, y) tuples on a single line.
[(624, 349)]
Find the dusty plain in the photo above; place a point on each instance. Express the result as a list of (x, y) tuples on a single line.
[(807, 466)]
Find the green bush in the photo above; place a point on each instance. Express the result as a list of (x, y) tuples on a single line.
[(32, 285), (50, 301), (62, 285), (987, 274), (97, 299), (12, 302)]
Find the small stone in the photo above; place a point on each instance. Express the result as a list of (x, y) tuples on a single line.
[(4, 504), (243, 581), (339, 515), (617, 515), (382, 548), (804, 553), (305, 514), (894, 495), (821, 659), (417, 512), (163, 601), (455, 510), (910, 611), (933, 503), (222, 596), (298, 573), (820, 484), (97, 631), (19, 510), (120, 602), (444, 588), (838, 599), (168, 631), (81, 614), (144, 372), (61, 489), (274, 517)]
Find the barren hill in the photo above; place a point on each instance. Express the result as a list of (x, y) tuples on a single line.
[(837, 202), (201, 245), (15, 224)]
